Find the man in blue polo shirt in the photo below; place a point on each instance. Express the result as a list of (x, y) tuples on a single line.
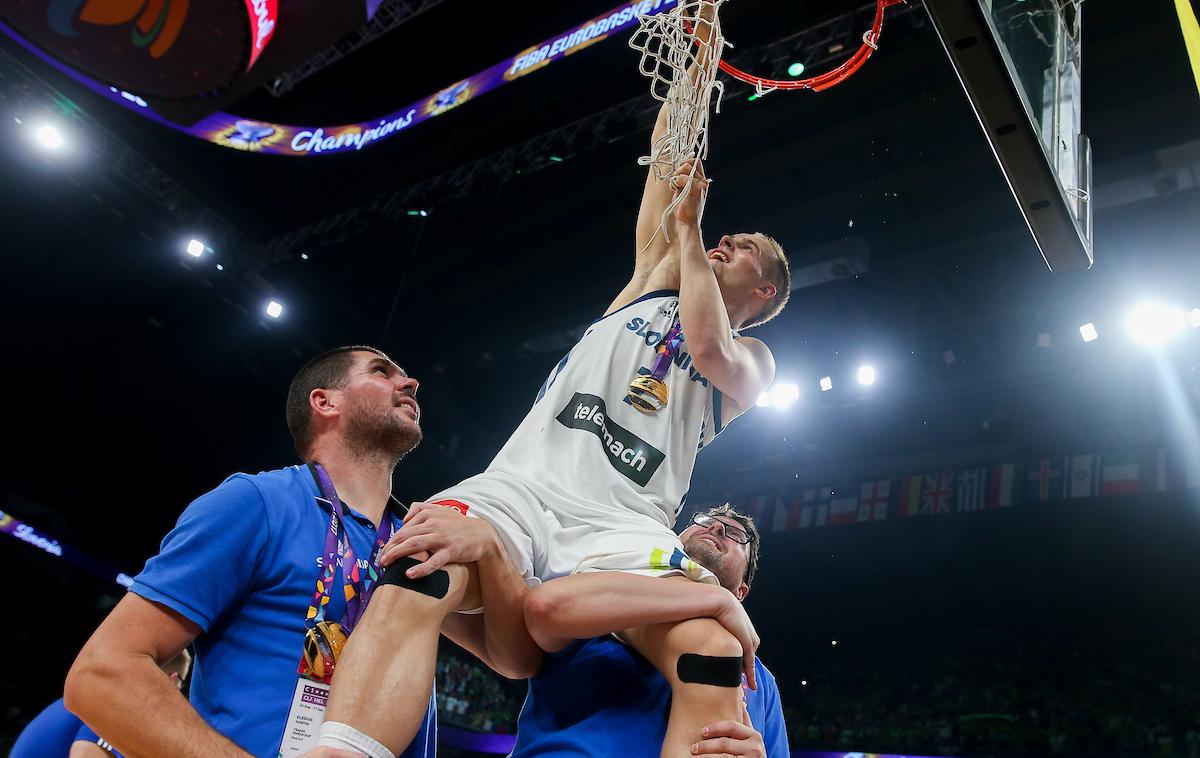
[(596, 696), (267, 574)]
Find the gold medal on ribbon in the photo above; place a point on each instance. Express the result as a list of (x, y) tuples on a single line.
[(322, 645), (647, 394)]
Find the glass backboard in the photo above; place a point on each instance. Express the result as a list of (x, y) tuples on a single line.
[(1019, 62)]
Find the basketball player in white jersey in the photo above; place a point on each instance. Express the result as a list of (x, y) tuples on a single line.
[(590, 482)]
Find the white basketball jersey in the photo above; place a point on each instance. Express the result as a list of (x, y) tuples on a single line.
[(585, 442)]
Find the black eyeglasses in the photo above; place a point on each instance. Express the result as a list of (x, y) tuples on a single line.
[(735, 533)]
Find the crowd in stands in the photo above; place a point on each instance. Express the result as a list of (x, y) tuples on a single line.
[(964, 692), (473, 697), (970, 692)]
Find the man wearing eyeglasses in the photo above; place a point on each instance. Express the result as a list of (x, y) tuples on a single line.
[(596, 696)]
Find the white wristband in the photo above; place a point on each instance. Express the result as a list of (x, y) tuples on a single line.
[(346, 737)]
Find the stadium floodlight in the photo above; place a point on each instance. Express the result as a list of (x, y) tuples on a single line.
[(1153, 323), (48, 136), (826, 383), (1088, 332), (784, 394), (1194, 317), (195, 248), (274, 309), (866, 375), (764, 400)]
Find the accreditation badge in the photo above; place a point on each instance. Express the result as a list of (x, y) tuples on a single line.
[(323, 644), (302, 731)]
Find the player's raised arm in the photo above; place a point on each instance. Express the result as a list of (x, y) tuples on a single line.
[(740, 368), (654, 268), (657, 195)]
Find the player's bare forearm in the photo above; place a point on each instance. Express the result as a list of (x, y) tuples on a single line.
[(741, 369), (702, 312), (597, 603), (126, 698), (652, 246)]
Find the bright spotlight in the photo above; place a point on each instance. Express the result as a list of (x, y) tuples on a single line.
[(803, 682), (195, 248), (833, 642), (48, 136), (1194, 317), (1155, 323), (826, 383), (784, 394), (866, 375), (274, 309), (764, 400), (1088, 332)]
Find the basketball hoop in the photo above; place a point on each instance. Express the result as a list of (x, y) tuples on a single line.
[(829, 79)]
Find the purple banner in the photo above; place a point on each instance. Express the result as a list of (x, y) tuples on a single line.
[(233, 131), (502, 744), (478, 742), (18, 529), (850, 754)]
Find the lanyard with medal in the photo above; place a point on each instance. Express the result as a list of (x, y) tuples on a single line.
[(323, 638), (648, 392)]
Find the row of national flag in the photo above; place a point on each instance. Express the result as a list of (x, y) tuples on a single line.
[(977, 488)]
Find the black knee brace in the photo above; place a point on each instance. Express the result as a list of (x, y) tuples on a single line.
[(436, 585), (719, 671)]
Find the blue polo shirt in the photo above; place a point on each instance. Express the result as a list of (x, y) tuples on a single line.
[(52, 733), (242, 564), (49, 735), (599, 697)]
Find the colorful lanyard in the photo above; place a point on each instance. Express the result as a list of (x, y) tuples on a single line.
[(667, 350), (357, 589)]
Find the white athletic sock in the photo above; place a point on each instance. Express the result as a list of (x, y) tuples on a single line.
[(346, 737)]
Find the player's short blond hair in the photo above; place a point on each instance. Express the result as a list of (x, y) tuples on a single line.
[(777, 272)]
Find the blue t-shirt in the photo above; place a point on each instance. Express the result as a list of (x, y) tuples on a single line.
[(49, 735), (599, 697), (52, 732), (242, 564)]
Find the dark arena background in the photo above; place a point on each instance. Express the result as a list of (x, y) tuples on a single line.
[(978, 481)]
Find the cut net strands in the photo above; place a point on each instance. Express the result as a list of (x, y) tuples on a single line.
[(682, 66)]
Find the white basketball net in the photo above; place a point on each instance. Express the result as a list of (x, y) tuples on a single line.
[(682, 68)]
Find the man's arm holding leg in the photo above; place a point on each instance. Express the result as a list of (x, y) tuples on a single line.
[(593, 604), (118, 689)]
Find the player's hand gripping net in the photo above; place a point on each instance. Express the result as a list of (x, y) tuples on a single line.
[(681, 52)]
